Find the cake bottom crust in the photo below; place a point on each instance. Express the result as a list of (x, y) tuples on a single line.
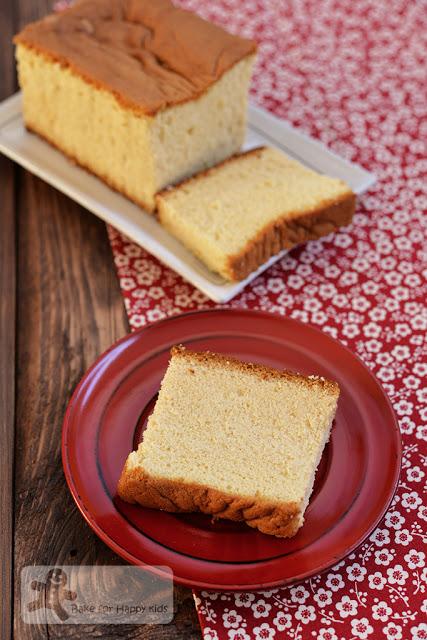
[(288, 232), (32, 128), (278, 519)]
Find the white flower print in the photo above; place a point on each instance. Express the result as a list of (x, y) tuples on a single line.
[(381, 611), (269, 592), (360, 303), (385, 374), (340, 300), (419, 632), (127, 283), (374, 346), (138, 321), (384, 359), (282, 621), (403, 537), (299, 594), (327, 634), (356, 572), (403, 407), (332, 271), (401, 352), (383, 557), (361, 628), (394, 519), (422, 513), (415, 559), (295, 282), (415, 474), (411, 500), (275, 285), (312, 305), (305, 613), (121, 261), (231, 619), (243, 599), (377, 314), (343, 240), (397, 575), (319, 317), (155, 314), (326, 291), (402, 329), (264, 632), (421, 395), (381, 537), (334, 581), (261, 608), (348, 278), (406, 425), (347, 607), (210, 634), (411, 382), (420, 369), (351, 330), (238, 634), (376, 581), (323, 597), (392, 631), (372, 330), (421, 433)]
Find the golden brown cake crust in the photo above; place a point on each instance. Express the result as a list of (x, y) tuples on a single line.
[(264, 372), (278, 519), (149, 54), (287, 232)]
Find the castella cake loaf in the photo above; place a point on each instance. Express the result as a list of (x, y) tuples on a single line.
[(234, 440), (139, 92), (235, 216)]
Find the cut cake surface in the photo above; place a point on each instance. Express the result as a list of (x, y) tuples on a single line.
[(234, 440)]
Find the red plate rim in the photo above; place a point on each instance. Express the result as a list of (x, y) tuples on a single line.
[(123, 553)]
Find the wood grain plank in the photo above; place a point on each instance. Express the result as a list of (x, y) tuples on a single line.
[(7, 334), (7, 389)]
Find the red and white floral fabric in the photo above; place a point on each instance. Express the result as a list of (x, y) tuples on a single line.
[(353, 75)]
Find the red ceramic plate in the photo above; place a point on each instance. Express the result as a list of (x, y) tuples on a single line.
[(354, 484)]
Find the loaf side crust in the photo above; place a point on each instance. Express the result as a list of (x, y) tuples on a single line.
[(278, 519), (262, 371), (32, 128), (285, 233)]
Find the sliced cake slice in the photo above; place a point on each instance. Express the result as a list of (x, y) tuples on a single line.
[(234, 440), (238, 214)]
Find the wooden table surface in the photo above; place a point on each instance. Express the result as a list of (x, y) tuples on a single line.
[(60, 307)]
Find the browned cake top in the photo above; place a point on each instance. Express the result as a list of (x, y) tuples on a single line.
[(150, 54)]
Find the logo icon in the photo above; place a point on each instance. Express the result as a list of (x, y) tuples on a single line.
[(52, 593)]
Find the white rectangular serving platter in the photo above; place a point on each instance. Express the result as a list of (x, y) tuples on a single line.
[(44, 161)]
